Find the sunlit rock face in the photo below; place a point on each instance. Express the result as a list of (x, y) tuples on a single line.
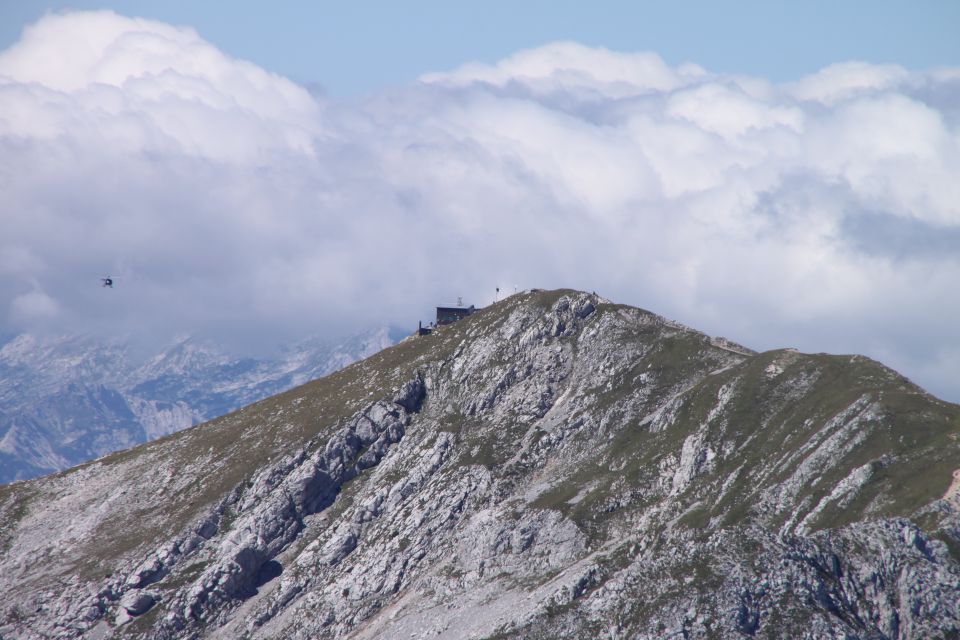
[(553, 466)]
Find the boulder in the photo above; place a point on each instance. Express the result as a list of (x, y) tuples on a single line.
[(137, 603)]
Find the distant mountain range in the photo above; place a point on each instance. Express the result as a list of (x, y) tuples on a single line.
[(70, 399)]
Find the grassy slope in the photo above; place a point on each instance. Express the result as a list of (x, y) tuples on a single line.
[(764, 420)]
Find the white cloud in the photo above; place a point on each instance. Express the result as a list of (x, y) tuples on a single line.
[(568, 65), (821, 215), (15, 260), (848, 79), (730, 112), (29, 309), (142, 85)]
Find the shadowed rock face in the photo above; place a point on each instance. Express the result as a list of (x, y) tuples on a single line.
[(554, 466)]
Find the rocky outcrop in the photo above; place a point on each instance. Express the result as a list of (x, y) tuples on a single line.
[(67, 400), (553, 466)]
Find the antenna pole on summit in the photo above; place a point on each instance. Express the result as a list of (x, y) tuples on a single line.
[(497, 298)]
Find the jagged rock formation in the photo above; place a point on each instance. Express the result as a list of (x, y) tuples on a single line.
[(71, 399), (555, 466)]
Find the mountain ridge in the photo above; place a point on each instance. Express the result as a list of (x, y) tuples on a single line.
[(74, 398), (552, 466)]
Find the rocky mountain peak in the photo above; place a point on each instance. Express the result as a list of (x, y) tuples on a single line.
[(553, 466)]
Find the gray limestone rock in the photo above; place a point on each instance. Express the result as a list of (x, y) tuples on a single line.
[(555, 466), (137, 602)]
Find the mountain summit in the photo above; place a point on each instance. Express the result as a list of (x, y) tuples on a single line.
[(552, 466)]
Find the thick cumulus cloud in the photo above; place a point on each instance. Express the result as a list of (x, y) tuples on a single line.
[(822, 214)]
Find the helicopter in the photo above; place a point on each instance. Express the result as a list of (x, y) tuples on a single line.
[(107, 282)]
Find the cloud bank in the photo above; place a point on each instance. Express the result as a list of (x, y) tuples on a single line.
[(229, 201)]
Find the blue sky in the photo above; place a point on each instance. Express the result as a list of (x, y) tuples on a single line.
[(359, 46), (273, 171)]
